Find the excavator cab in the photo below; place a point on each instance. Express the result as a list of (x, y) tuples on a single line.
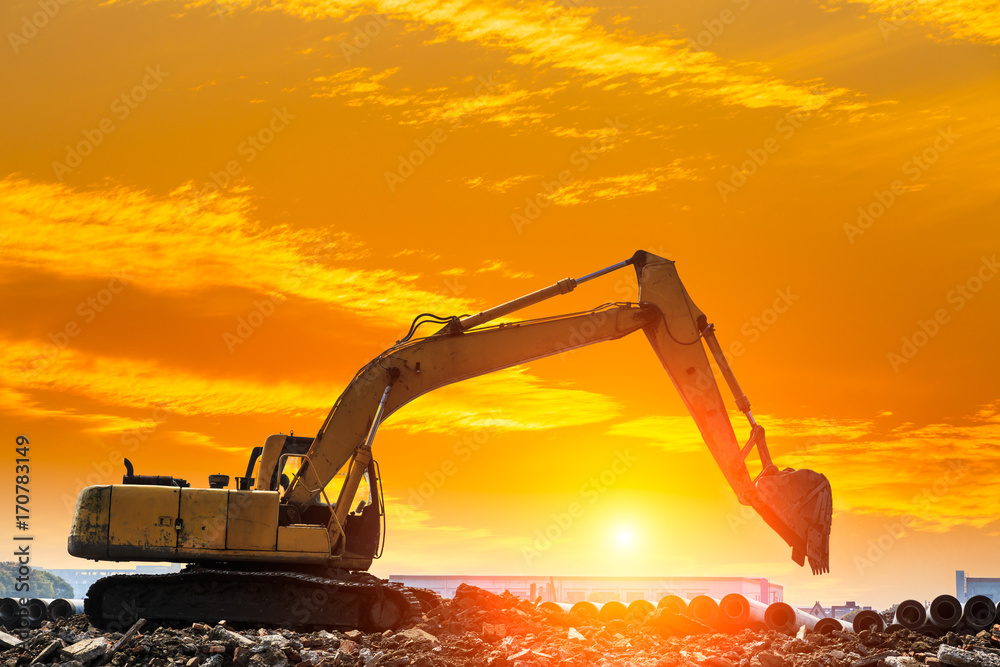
[(359, 535)]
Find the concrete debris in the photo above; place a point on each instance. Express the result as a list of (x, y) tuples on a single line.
[(223, 634), (949, 655), (48, 651), (480, 629), (85, 651)]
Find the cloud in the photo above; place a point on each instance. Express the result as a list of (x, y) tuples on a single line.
[(971, 20), (621, 185), (485, 102), (508, 400), (674, 434), (942, 475), (939, 475), (183, 243), (549, 35)]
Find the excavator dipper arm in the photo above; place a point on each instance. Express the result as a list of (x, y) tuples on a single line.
[(796, 504)]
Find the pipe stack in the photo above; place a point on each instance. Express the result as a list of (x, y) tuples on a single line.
[(736, 613)]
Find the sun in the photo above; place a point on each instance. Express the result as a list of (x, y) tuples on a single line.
[(624, 537)]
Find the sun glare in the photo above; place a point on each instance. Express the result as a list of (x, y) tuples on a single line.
[(624, 537)]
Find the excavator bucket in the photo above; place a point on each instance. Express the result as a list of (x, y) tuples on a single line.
[(798, 505)]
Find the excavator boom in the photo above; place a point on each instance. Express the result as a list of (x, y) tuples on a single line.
[(796, 504)]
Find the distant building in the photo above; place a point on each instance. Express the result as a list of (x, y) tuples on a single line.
[(81, 580), (966, 587), (817, 610), (835, 611), (600, 589)]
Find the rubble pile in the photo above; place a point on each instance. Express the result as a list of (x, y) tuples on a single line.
[(477, 628)]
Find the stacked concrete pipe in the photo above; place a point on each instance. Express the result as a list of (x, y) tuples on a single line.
[(674, 603), (612, 611), (783, 617), (911, 615), (978, 612), (64, 608), (638, 611), (37, 612), (705, 610), (738, 612), (826, 626), (945, 611), (9, 611), (868, 620), (586, 608)]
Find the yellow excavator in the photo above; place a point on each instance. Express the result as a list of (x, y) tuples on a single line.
[(291, 544)]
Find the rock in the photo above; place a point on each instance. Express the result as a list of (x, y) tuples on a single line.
[(86, 651), (573, 633), (902, 661), (271, 656), (8, 641), (715, 661), (265, 641), (418, 635), (349, 647), (956, 657), (193, 662), (223, 634), (771, 660), (874, 659), (48, 651)]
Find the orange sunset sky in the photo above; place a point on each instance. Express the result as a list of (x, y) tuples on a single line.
[(171, 166)]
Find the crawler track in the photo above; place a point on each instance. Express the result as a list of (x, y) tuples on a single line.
[(288, 600)]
